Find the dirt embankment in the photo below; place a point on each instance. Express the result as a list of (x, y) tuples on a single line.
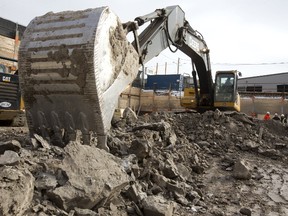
[(159, 164)]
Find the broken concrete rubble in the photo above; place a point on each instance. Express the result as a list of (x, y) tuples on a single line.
[(12, 145), (16, 190), (157, 206), (9, 158), (241, 170), (174, 164), (93, 175)]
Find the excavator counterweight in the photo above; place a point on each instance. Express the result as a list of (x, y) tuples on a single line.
[(73, 65)]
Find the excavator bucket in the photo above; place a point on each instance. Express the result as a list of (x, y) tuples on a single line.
[(73, 66)]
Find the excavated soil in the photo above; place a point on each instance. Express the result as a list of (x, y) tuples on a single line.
[(159, 164)]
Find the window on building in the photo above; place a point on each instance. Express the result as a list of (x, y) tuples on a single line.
[(282, 88), (241, 88), (254, 88)]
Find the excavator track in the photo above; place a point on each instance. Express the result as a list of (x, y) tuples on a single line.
[(72, 66)]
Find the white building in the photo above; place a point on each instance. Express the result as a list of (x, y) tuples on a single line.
[(266, 83)]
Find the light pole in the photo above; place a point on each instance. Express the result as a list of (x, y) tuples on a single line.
[(178, 65), (165, 67)]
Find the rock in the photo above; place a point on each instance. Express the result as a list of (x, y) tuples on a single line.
[(280, 145), (203, 144), (260, 135), (157, 206), (169, 169), (128, 162), (16, 191), (232, 126), (45, 181), (197, 169), (9, 158), (192, 195), (160, 180), (217, 114), (217, 212), (141, 148), (12, 145), (241, 171), (117, 210), (164, 128), (181, 199), (156, 189), (249, 145), (175, 188), (129, 115), (272, 153), (84, 212), (245, 211), (93, 177), (227, 162), (136, 192), (183, 171), (242, 117), (42, 141), (133, 194)]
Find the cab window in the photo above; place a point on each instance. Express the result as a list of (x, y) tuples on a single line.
[(224, 88)]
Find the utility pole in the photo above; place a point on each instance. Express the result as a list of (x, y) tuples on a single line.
[(178, 65), (156, 68), (165, 67), (144, 71)]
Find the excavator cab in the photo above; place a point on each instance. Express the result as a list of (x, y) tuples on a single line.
[(226, 96)]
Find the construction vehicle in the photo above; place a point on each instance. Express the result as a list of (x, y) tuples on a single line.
[(226, 97), (188, 99), (74, 65), (11, 105)]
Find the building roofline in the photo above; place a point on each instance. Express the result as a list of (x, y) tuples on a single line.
[(8, 28), (267, 75)]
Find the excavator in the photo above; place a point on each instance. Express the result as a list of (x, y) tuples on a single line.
[(12, 112), (73, 65), (226, 96)]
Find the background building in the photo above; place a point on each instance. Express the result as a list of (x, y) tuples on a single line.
[(172, 82), (260, 94), (267, 83)]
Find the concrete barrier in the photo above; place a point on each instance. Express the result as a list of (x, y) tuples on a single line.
[(260, 105)]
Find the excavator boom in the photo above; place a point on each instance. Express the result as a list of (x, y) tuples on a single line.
[(168, 28)]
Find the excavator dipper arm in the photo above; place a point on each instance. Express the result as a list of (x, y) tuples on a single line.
[(169, 27)]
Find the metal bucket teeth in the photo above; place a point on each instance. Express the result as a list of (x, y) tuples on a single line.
[(73, 66)]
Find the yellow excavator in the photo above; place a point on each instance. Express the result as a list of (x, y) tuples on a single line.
[(226, 96), (73, 65), (12, 112)]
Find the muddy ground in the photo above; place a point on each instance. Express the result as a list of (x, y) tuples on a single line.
[(160, 164)]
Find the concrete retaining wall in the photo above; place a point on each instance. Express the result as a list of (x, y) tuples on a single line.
[(149, 101), (260, 106)]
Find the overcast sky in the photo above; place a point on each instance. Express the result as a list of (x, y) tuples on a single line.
[(246, 35)]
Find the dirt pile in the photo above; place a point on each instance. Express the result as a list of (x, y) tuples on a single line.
[(160, 164)]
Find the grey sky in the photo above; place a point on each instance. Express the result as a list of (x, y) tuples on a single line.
[(241, 34)]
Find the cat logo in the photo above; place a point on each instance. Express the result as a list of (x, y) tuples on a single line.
[(5, 104), (6, 79)]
